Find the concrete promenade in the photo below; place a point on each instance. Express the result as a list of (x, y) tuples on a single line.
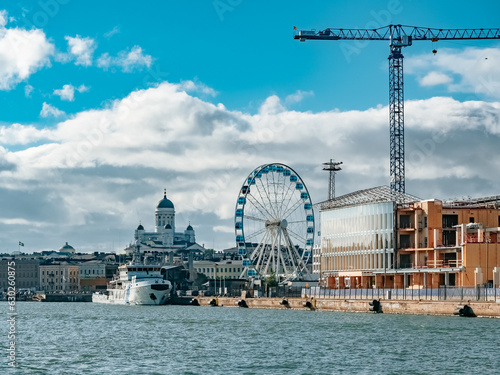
[(481, 309)]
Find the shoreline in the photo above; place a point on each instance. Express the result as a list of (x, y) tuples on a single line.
[(444, 308)]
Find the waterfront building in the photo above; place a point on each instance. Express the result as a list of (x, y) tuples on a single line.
[(59, 276), (92, 275), (374, 238), (451, 243), (221, 270), (26, 272)]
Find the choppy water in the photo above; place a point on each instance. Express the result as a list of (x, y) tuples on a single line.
[(86, 338)]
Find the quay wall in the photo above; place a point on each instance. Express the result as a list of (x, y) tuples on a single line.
[(481, 309)]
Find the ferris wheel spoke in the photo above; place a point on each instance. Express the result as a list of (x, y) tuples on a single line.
[(270, 210), (292, 209), (267, 198), (255, 234), (287, 197), (254, 218), (258, 206), (297, 236)]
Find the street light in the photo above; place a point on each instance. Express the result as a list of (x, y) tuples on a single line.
[(487, 242)]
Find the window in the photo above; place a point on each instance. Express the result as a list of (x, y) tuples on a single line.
[(43, 272), (471, 219), (425, 221), (425, 242)]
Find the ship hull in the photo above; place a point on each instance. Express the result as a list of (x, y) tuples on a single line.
[(140, 292)]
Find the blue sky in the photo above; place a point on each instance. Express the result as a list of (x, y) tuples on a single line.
[(202, 80)]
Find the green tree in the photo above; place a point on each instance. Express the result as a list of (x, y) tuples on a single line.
[(271, 281), (201, 279)]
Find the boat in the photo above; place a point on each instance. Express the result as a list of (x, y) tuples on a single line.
[(136, 284)]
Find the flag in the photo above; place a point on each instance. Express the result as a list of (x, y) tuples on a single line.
[(21, 244)]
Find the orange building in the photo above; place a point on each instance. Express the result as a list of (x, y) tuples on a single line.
[(452, 243)]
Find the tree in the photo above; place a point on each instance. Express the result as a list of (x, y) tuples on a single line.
[(201, 279), (271, 281)]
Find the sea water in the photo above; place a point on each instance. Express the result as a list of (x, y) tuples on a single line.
[(87, 338)]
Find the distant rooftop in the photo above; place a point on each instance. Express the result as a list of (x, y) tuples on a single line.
[(373, 195), (484, 202)]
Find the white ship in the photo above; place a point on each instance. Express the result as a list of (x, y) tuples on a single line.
[(136, 284)]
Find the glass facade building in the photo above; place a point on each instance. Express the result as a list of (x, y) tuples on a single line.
[(357, 238)]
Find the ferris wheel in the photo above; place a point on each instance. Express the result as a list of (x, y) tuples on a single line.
[(274, 224)]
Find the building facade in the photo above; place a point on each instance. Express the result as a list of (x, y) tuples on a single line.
[(370, 239), (59, 277), (453, 243), (26, 273)]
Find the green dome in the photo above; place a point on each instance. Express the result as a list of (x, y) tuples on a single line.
[(165, 203)]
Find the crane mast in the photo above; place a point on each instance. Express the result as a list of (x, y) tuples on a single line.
[(399, 36)]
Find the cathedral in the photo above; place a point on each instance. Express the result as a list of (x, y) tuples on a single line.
[(164, 240)]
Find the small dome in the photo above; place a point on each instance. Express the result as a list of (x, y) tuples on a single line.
[(168, 226), (140, 227), (189, 227), (67, 248), (165, 203)]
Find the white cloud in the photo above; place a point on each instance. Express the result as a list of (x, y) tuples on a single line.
[(298, 96), (127, 61), (49, 110), (28, 89), (68, 92), (3, 18), (22, 53), (105, 169), (115, 30), (469, 70), (81, 49), (17, 134), (200, 87), (435, 78)]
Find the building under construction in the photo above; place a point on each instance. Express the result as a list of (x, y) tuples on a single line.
[(374, 238)]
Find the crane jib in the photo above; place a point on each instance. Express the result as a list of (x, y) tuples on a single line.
[(396, 31)]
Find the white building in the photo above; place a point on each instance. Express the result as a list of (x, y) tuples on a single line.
[(164, 240)]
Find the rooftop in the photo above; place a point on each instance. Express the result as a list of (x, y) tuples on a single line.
[(373, 195)]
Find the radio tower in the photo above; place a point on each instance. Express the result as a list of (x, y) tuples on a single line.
[(332, 167)]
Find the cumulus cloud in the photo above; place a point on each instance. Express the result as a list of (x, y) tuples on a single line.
[(470, 70), (50, 111), (81, 49), (68, 91), (127, 61), (22, 53), (435, 78), (17, 134), (103, 170)]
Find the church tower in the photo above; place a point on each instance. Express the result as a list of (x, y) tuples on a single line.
[(164, 214)]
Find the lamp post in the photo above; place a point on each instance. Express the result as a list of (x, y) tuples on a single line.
[(216, 291), (487, 242)]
